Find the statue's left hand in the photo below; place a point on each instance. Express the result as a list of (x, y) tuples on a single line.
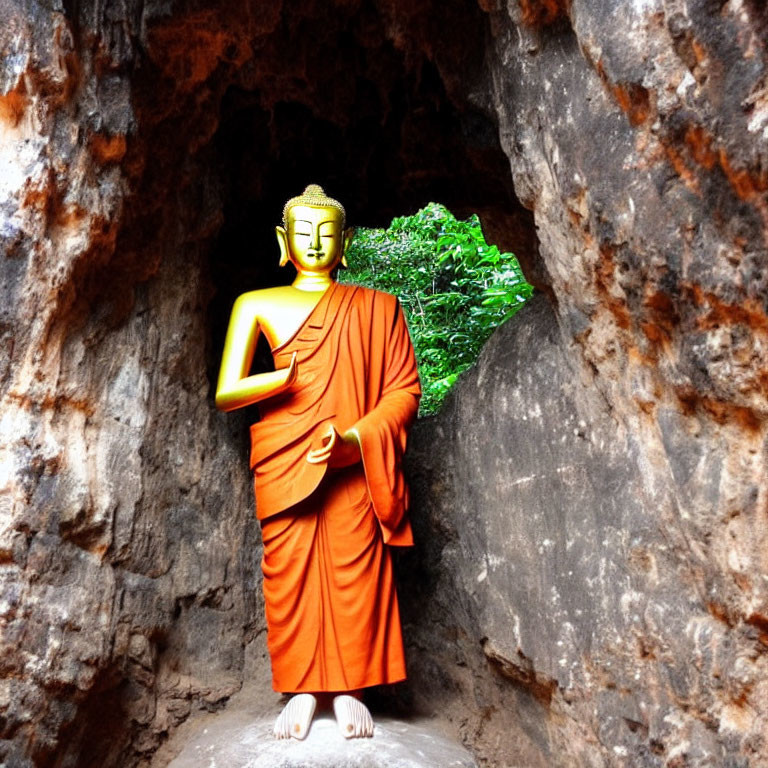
[(338, 450)]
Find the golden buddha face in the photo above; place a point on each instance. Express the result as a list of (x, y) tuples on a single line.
[(314, 238)]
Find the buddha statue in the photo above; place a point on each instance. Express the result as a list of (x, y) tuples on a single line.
[(326, 457)]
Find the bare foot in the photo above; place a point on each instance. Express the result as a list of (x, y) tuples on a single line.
[(353, 717), (296, 717)]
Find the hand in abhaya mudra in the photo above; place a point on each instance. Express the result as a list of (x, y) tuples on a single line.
[(327, 462)]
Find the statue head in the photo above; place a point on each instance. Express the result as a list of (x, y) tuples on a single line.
[(312, 236)]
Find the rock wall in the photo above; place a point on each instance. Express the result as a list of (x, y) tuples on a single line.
[(602, 507), (553, 600), (590, 583), (128, 549)]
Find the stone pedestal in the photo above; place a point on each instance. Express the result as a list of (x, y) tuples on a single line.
[(235, 740)]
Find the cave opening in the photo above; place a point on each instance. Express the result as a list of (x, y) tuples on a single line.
[(455, 289)]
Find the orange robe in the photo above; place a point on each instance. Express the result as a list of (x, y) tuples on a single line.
[(332, 616)]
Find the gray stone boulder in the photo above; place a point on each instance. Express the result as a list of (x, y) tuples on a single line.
[(240, 736)]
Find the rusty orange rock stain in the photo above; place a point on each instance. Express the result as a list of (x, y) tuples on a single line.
[(100, 549), (662, 318), (720, 612), (522, 674), (537, 13), (604, 279), (743, 582), (741, 699), (699, 142), (70, 215), (698, 51), (108, 149), (722, 412), (634, 100), (13, 104), (749, 312), (575, 217), (638, 357), (42, 194), (762, 379), (662, 305), (70, 61), (648, 407), (681, 168), (36, 196), (760, 622), (654, 333), (659, 324), (52, 403), (746, 185), (45, 197), (189, 53), (6, 558)]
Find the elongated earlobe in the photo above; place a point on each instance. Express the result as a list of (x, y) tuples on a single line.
[(282, 241), (349, 233)]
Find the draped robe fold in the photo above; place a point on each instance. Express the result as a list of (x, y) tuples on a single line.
[(332, 616)]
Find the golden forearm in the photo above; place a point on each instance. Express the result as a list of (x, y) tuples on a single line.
[(235, 388), (252, 389)]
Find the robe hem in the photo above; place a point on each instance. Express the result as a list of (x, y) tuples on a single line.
[(347, 689)]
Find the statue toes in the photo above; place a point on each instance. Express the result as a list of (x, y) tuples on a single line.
[(296, 717), (353, 718)]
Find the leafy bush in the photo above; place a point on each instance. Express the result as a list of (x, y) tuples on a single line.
[(454, 287)]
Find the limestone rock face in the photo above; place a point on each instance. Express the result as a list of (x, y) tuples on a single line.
[(128, 549), (602, 506), (544, 543), (590, 582)]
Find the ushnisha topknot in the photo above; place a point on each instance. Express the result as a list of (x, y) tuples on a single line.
[(313, 195)]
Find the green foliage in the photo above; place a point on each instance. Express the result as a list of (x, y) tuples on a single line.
[(454, 287)]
